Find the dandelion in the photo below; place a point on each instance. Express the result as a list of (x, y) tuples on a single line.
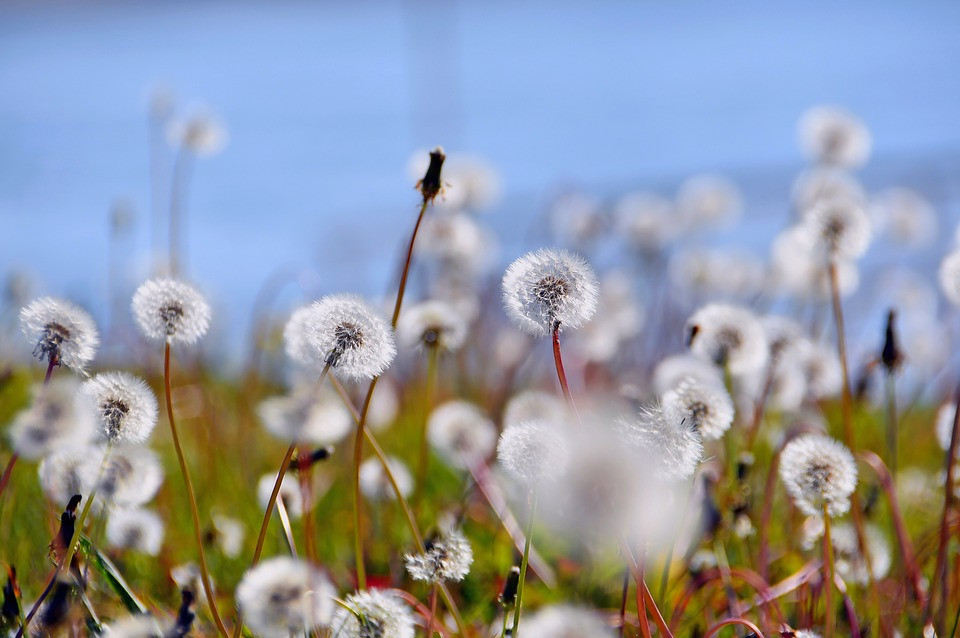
[(822, 369), (729, 336), (533, 405), (666, 438), (186, 576), (170, 310), (61, 332), (60, 416), (202, 133), (343, 332), (457, 243), (708, 200), (384, 406), (705, 408), (461, 433), (284, 596), (950, 277), (371, 613), (446, 558), (139, 626), (290, 493), (305, 417), (824, 183), (135, 529), (647, 221), (564, 621), (833, 136), (533, 452), (850, 563), (944, 424), (432, 324), (131, 476), (230, 534), (906, 217), (125, 405), (840, 226), (66, 472), (375, 484), (672, 370), (819, 473), (548, 290)]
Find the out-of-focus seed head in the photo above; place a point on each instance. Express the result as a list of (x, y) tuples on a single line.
[(950, 277), (203, 133), (139, 626), (839, 227), (848, 560), (131, 477), (136, 530), (944, 424), (818, 471), (371, 613), (170, 310), (563, 621), (547, 288), (461, 433), (648, 221), (432, 324), (705, 408), (60, 332), (126, 407), (666, 438), (728, 336), (904, 216), (375, 484), (708, 201), (230, 535), (534, 405), (289, 491), (448, 557), (66, 472), (671, 371), (60, 416), (823, 370), (344, 332), (533, 452), (833, 136), (306, 416), (284, 596), (824, 183)]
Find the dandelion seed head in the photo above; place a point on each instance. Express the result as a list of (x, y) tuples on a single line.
[(708, 200), (187, 576), (59, 416), (431, 324), (823, 371), (705, 408), (564, 621), (533, 452), (805, 633), (944, 424), (950, 277), (840, 227), (647, 221), (455, 241), (344, 332), (171, 310), (131, 477), (448, 557), (284, 596), (905, 216), (728, 336), (725, 274), (534, 405), (549, 286), (672, 370), (662, 433), (60, 332), (375, 484), (833, 136), (816, 471), (138, 626), (137, 530), (825, 183), (373, 614), (230, 535), (306, 416), (66, 472), (202, 132), (460, 432), (848, 560), (289, 491), (384, 406), (126, 407)]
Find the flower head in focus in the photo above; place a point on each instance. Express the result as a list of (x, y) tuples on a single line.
[(447, 557), (61, 332), (171, 310), (125, 405)]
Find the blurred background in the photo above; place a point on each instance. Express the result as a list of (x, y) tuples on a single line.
[(318, 111)]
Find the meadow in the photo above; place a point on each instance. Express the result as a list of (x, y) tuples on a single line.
[(619, 433)]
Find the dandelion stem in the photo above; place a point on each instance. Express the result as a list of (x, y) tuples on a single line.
[(561, 373), (829, 618), (433, 611), (287, 528), (625, 589), (515, 632), (191, 497), (734, 621), (433, 359), (892, 433), (305, 469), (940, 573)]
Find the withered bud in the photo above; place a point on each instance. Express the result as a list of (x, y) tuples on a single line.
[(891, 357), (185, 615), (305, 460), (508, 597), (67, 522), (11, 596), (430, 186)]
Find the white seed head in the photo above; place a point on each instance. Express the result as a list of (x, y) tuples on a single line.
[(203, 133), (904, 216), (131, 477), (372, 614), (534, 405), (839, 227), (706, 408), (289, 491), (139, 626), (833, 136), (375, 484), (725, 273), (563, 621), (798, 267), (447, 558), (708, 200), (432, 324), (60, 416), (343, 331), (666, 439), (67, 472), (547, 287), (944, 426), (230, 535), (461, 433), (823, 371), (950, 277), (671, 371), (533, 452), (170, 310), (284, 596), (848, 560), (125, 405), (816, 471), (805, 633), (728, 336), (455, 241), (823, 183), (135, 529), (384, 406), (648, 221), (305, 416), (186, 576), (60, 331)]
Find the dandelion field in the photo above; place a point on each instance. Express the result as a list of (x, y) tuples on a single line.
[(618, 433)]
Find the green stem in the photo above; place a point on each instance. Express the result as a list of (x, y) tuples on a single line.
[(515, 632), (892, 428), (433, 358), (828, 576)]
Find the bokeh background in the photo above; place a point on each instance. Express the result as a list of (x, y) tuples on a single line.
[(325, 103)]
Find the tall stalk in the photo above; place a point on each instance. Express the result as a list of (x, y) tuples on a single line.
[(940, 573), (191, 496), (561, 372), (515, 632), (829, 620), (433, 360)]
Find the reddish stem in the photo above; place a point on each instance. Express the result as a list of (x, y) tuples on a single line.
[(734, 621), (561, 373), (940, 574)]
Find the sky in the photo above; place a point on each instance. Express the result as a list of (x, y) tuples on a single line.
[(326, 102)]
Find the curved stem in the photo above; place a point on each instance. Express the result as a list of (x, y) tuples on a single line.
[(561, 373), (191, 497), (515, 632), (829, 618), (734, 621), (940, 573), (306, 487)]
